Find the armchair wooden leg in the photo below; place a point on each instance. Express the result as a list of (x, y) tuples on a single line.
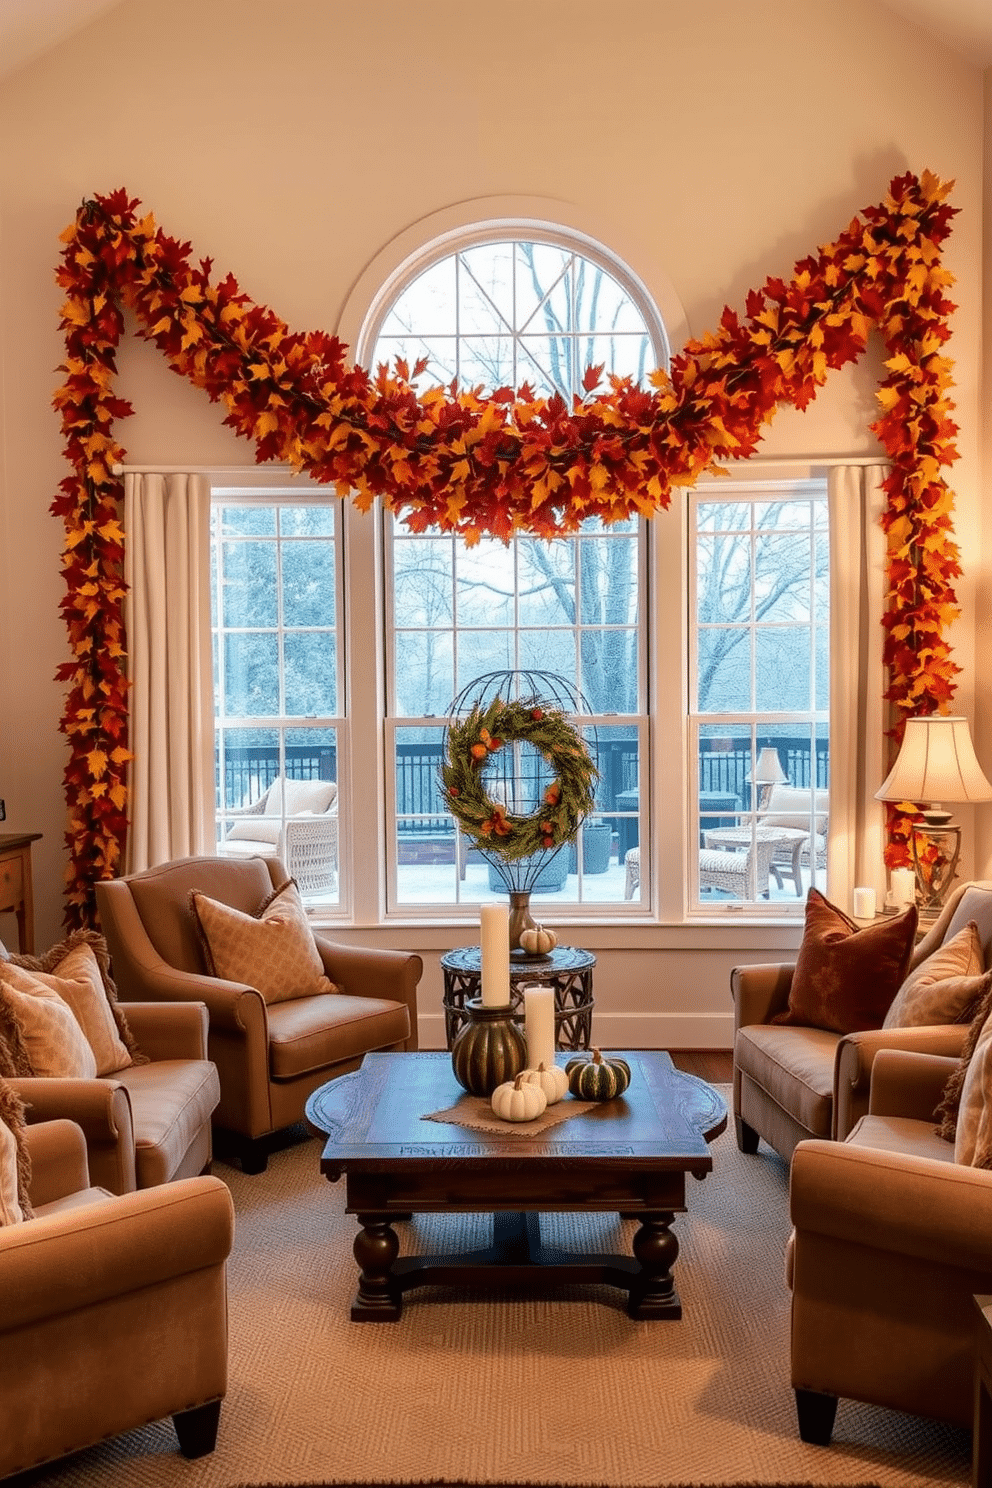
[(197, 1429), (816, 1414), (747, 1137)]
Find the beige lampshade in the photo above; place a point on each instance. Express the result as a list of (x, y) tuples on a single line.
[(768, 770), (936, 762)]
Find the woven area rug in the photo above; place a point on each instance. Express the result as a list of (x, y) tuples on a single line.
[(556, 1389)]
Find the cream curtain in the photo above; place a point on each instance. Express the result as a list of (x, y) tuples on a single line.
[(856, 840), (167, 612)]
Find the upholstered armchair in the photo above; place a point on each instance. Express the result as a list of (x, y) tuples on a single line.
[(270, 1055), (892, 1241), (114, 1308), (295, 821), (793, 1082), (151, 1122)]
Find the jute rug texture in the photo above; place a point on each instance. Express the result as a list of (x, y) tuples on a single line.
[(559, 1389)]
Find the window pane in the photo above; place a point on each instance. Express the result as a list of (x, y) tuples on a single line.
[(481, 651), (248, 762), (251, 675), (308, 583), (485, 587), (249, 593), (424, 673), (247, 521), (724, 670), (286, 671), (310, 666), (756, 562)]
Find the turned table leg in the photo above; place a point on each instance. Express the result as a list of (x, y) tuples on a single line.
[(376, 1248), (653, 1295)]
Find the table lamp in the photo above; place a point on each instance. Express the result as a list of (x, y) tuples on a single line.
[(936, 763), (767, 772)]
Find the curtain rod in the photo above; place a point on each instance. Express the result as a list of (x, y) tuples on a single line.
[(236, 470)]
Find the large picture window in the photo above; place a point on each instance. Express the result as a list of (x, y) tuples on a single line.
[(759, 720), (506, 312), (275, 590)]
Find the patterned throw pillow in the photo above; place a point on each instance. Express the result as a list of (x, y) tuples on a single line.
[(845, 978), (56, 1045), (944, 988), (62, 960), (76, 978), (15, 1163), (973, 1133), (272, 950)]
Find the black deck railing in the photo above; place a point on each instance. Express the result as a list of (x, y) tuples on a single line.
[(724, 771)]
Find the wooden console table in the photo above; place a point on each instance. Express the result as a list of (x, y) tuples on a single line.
[(15, 885)]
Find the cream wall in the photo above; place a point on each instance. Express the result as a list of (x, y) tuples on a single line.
[(711, 144)]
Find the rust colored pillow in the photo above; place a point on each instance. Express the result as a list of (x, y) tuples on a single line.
[(846, 978)]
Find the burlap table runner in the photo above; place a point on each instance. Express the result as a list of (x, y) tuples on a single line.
[(475, 1111)]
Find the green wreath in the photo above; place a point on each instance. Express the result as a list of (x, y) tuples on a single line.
[(569, 798)]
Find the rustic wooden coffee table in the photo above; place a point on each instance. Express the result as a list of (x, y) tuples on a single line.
[(628, 1156)]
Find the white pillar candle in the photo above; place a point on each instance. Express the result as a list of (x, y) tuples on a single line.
[(495, 939), (539, 1026), (903, 882), (864, 904)]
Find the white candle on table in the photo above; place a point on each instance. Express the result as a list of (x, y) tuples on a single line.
[(903, 882), (495, 939), (864, 904), (539, 1026)]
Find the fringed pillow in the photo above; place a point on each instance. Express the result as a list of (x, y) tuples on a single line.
[(83, 958), (56, 1045), (15, 1162)]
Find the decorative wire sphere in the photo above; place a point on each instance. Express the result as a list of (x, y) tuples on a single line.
[(517, 775)]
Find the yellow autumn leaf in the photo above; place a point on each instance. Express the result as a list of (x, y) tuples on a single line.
[(97, 762)]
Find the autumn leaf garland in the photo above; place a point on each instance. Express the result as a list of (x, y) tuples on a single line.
[(497, 464)]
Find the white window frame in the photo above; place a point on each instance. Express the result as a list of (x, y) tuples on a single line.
[(413, 265), (757, 721)]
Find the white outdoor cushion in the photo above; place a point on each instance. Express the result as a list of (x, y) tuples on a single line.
[(289, 797)]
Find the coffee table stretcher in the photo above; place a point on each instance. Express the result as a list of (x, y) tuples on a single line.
[(464, 1171)]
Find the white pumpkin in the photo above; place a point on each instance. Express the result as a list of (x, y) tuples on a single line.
[(538, 940), (553, 1081), (518, 1100)]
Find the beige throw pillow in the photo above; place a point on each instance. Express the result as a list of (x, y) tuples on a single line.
[(15, 1163), (973, 1136), (945, 987), (55, 1043), (77, 981), (272, 950), (53, 962)]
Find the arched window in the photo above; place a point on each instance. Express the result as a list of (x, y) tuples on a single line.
[(509, 305)]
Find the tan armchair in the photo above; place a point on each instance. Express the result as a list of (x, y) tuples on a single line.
[(792, 1083), (892, 1241), (149, 1123), (270, 1057), (114, 1308)]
